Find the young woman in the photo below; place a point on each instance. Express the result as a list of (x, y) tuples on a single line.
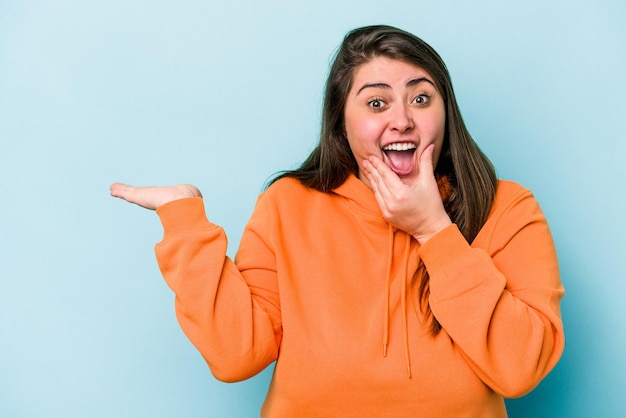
[(391, 275)]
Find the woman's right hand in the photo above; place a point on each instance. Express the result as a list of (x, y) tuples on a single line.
[(151, 197)]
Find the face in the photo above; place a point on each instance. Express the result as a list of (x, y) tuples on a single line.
[(393, 111)]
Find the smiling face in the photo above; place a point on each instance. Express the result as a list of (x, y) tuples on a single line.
[(393, 111)]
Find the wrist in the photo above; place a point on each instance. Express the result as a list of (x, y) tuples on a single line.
[(433, 229)]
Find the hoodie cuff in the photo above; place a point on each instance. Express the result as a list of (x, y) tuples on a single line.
[(183, 215), (437, 250)]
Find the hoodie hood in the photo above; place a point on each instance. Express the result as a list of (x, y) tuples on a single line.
[(359, 194)]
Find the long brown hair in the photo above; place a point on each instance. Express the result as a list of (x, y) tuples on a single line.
[(470, 175)]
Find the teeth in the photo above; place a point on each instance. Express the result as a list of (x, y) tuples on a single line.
[(400, 146)]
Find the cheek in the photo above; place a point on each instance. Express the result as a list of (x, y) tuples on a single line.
[(436, 126), (364, 135), (432, 131), (436, 123)]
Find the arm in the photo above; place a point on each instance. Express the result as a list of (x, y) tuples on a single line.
[(234, 321), (500, 305)]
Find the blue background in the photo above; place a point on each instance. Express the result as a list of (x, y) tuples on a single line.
[(223, 95)]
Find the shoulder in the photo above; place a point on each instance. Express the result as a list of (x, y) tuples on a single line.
[(288, 188), (514, 208), (509, 193), (289, 204), (508, 188), (286, 184), (287, 194)]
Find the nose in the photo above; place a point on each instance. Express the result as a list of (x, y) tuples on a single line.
[(401, 119)]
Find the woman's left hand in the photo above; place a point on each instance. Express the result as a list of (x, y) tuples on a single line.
[(414, 208)]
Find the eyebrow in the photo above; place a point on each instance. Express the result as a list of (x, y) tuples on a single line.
[(411, 83)]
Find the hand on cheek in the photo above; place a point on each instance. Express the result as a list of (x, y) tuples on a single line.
[(415, 208)]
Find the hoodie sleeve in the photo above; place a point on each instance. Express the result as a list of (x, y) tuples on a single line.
[(499, 299), (231, 317)]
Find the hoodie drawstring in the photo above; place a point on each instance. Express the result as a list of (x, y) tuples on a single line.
[(407, 248), (407, 354), (387, 291)]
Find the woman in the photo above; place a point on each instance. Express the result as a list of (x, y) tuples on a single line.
[(391, 275)]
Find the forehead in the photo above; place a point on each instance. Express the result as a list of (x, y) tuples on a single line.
[(383, 69)]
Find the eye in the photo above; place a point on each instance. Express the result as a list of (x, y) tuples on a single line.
[(376, 103), (421, 99)]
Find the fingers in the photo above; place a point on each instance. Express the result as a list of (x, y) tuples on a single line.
[(378, 173), (141, 196), (375, 170), (132, 194), (385, 184), (415, 206), (121, 190), (426, 160), (151, 197)]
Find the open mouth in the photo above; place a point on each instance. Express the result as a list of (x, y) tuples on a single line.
[(400, 157)]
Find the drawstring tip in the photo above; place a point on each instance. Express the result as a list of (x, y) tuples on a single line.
[(384, 350), (408, 371)]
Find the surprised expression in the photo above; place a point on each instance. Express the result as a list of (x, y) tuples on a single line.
[(393, 111)]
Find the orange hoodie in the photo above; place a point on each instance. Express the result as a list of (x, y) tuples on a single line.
[(322, 284)]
